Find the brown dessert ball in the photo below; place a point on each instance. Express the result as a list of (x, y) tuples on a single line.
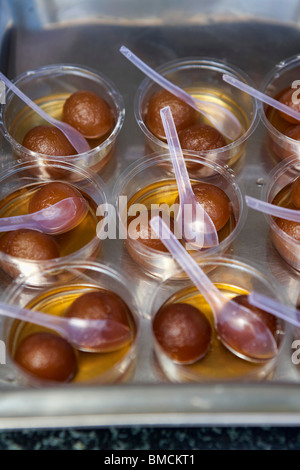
[(295, 192), (51, 193), (287, 99), (143, 233), (183, 332), (215, 202), (290, 228), (201, 137), (183, 114), (270, 320), (100, 305), (29, 244), (88, 113), (47, 356), (48, 140)]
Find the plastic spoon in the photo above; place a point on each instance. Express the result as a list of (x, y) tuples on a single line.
[(272, 209), (58, 218), (83, 334), (261, 96), (220, 117), (239, 329), (288, 314), (75, 138), (198, 228)]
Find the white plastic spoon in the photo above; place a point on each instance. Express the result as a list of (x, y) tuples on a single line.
[(220, 117), (239, 329)]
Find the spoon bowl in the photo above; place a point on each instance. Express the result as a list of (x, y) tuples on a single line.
[(84, 334), (61, 217), (75, 138), (239, 329), (220, 117), (198, 228)]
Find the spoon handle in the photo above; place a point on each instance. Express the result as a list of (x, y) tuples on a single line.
[(182, 176), (7, 224), (159, 79), (272, 209), (289, 314), (187, 263), (41, 319), (261, 96)]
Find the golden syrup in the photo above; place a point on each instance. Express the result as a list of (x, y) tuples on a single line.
[(92, 367), (217, 96), (233, 156), (219, 364)]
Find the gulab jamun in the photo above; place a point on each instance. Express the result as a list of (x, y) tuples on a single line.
[(201, 137), (103, 305), (287, 98), (47, 357), (215, 202), (270, 320), (99, 305), (88, 113), (48, 140), (51, 193), (295, 192), (183, 332), (290, 228), (29, 244), (139, 229), (183, 114)]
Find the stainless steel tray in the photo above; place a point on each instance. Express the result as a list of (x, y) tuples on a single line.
[(252, 35)]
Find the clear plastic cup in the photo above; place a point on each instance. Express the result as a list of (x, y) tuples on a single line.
[(279, 79), (202, 78), (50, 86), (277, 190), (233, 277), (87, 276), (150, 181), (19, 182)]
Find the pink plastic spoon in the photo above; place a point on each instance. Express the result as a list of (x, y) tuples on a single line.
[(83, 334), (239, 329), (75, 138), (220, 117), (197, 227), (58, 218)]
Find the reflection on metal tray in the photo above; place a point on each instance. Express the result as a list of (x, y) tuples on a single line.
[(252, 36)]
